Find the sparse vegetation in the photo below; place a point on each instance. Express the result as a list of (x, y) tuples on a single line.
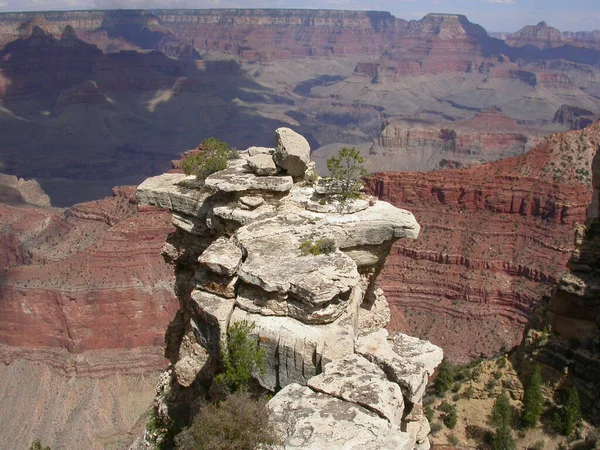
[(212, 157), (241, 356), (37, 445), (321, 247), (451, 416), (240, 422), (346, 171)]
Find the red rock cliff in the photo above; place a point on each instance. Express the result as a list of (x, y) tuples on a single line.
[(495, 239)]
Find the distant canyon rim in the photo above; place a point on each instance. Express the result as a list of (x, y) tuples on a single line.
[(130, 90)]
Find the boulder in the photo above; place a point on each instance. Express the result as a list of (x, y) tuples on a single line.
[(311, 420), (292, 151), (222, 257), (262, 164), (407, 360), (186, 370), (356, 380), (253, 151), (251, 201)]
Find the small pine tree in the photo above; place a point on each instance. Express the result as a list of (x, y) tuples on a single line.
[(241, 356), (533, 399), (445, 377), (501, 419), (346, 170), (566, 418)]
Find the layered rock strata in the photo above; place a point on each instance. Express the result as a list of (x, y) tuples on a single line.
[(495, 240), (238, 256)]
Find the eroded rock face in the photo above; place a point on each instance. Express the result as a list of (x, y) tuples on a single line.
[(305, 278)]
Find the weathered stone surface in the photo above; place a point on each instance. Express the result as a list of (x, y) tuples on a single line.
[(262, 164), (253, 151), (186, 370), (214, 314), (163, 191), (238, 178), (356, 380), (292, 151), (190, 225), (312, 420), (214, 283), (222, 257), (409, 361), (321, 283), (243, 216), (252, 201), (374, 315), (296, 351)]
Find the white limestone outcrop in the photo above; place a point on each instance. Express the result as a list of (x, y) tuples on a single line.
[(262, 245)]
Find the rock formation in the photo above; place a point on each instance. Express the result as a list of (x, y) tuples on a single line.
[(495, 240), (541, 36), (237, 256)]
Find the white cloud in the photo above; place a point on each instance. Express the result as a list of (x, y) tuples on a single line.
[(502, 2), (3, 4)]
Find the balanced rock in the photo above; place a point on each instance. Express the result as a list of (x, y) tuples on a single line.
[(222, 257), (292, 151)]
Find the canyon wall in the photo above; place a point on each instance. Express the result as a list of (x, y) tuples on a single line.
[(495, 240), (84, 301)]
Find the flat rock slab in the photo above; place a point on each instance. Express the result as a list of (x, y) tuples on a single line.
[(238, 178), (292, 151), (253, 151), (252, 201), (222, 257), (312, 420), (165, 192), (357, 380), (408, 361)]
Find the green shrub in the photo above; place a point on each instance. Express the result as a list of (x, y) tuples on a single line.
[(451, 416), (501, 419), (429, 413), (212, 157), (321, 247), (346, 172), (445, 377), (37, 445), (453, 440), (241, 356), (238, 423), (501, 362)]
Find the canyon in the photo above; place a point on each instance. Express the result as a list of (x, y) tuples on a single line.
[(146, 85), (84, 301), (92, 100)]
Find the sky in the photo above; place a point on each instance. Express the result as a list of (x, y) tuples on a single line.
[(493, 15)]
